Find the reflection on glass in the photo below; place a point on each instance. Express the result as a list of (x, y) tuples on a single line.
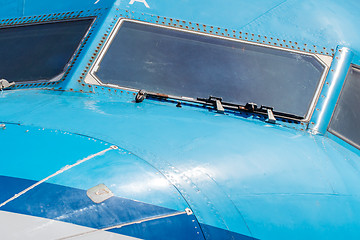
[(39, 51)]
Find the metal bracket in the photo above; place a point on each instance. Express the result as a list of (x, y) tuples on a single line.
[(219, 107), (4, 84), (271, 118), (217, 103)]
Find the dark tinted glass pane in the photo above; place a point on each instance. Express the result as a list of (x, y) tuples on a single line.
[(185, 64), (40, 51), (346, 119)]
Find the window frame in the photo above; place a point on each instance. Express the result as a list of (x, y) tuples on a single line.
[(333, 132), (67, 65), (91, 77)]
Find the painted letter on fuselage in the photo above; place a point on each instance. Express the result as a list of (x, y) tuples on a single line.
[(142, 1)]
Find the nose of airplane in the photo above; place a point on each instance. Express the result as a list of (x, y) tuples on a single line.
[(59, 185)]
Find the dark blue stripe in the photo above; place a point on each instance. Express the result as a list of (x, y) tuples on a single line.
[(214, 233), (10, 186), (73, 205), (176, 227)]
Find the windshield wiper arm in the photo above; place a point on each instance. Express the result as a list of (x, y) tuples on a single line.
[(4, 84), (220, 105)]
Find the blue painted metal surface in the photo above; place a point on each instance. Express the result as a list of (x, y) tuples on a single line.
[(241, 177), (253, 178), (47, 152)]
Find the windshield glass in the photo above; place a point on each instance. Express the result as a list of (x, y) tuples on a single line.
[(168, 61), (39, 51), (345, 121)]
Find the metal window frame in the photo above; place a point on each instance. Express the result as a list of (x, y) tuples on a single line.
[(332, 131), (66, 66), (91, 78)]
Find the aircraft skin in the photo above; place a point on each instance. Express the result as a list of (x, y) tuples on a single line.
[(164, 172)]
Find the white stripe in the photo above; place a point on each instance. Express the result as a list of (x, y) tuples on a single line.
[(67, 167), (144, 220), (16, 226)]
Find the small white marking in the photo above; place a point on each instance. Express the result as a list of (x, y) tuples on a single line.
[(141, 1), (67, 167), (97, 1)]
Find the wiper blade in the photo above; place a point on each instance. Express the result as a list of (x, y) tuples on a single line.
[(4, 84)]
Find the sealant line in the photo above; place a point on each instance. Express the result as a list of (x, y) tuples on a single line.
[(263, 14), (67, 167), (126, 224)]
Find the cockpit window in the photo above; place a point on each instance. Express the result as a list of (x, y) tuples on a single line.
[(345, 121), (187, 64), (39, 51)]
